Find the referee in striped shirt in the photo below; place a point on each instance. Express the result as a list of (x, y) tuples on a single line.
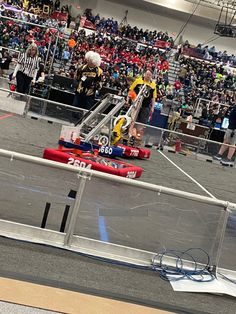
[(26, 69)]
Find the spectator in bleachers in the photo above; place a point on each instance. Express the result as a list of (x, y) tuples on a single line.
[(65, 56), (186, 44), (40, 77), (211, 54), (77, 21), (57, 5), (65, 9), (69, 19), (201, 79), (5, 60), (88, 14), (212, 51)]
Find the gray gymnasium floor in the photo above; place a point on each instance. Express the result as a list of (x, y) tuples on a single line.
[(68, 270), (32, 136)]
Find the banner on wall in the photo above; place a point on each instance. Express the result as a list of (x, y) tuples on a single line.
[(162, 44), (56, 15), (5, 6), (87, 24)]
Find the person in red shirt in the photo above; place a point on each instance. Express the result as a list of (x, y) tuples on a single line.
[(135, 59), (177, 85), (165, 65)]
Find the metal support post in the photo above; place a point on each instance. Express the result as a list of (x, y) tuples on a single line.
[(44, 107), (27, 106), (110, 130), (47, 55), (220, 236), (54, 53), (75, 211), (161, 139)]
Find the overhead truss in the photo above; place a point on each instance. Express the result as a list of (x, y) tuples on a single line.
[(227, 4)]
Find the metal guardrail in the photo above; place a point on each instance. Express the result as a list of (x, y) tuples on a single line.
[(102, 175), (69, 240)]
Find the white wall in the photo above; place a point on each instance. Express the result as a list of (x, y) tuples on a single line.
[(145, 19)]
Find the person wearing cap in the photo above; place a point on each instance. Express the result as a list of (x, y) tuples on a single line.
[(89, 78)]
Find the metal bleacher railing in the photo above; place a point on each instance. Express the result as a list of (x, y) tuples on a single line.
[(201, 102)]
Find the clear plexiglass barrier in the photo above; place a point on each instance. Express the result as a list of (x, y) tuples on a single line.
[(82, 210), (195, 147)]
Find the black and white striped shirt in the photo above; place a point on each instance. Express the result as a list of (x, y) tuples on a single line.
[(28, 65)]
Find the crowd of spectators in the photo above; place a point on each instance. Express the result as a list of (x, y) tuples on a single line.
[(122, 60), (17, 36), (206, 80), (19, 28), (27, 12), (125, 30), (31, 5), (198, 79), (210, 53)]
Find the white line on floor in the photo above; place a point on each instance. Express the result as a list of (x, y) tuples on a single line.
[(187, 175)]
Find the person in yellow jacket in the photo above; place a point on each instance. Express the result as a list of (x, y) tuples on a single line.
[(26, 5), (150, 96)]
